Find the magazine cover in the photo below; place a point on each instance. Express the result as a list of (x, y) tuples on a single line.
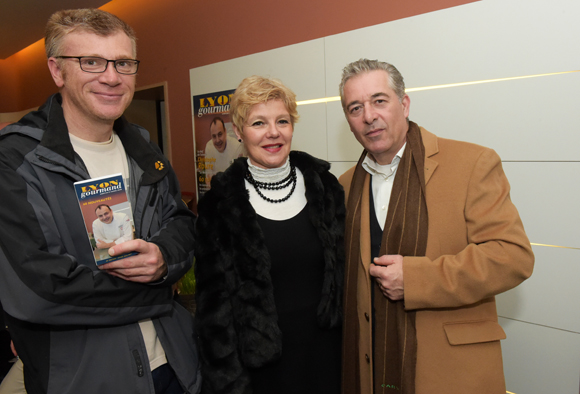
[(107, 214), (216, 144)]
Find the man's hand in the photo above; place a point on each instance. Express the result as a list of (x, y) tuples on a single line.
[(388, 273), (147, 266)]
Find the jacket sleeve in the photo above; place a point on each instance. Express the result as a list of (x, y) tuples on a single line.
[(222, 369), (41, 279), (175, 237), (483, 253)]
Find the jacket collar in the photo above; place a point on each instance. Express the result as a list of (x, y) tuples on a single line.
[(305, 162), (55, 137), (135, 141)]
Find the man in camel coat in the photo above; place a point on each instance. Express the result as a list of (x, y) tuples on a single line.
[(431, 237)]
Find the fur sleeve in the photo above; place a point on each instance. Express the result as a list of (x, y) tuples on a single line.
[(327, 212), (222, 370)]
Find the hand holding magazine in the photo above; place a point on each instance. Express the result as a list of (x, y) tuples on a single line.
[(107, 213)]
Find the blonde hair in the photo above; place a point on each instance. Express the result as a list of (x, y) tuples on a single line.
[(257, 90), (91, 20)]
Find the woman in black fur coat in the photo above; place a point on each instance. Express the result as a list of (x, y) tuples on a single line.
[(269, 262)]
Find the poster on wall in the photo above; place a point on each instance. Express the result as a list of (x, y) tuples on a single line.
[(216, 144)]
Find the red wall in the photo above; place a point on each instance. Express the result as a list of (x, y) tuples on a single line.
[(177, 35)]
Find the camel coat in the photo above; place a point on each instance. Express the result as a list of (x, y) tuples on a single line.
[(476, 248)]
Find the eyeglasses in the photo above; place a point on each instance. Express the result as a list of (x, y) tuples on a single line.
[(99, 65)]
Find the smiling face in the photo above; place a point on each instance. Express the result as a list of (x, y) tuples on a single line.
[(377, 118), (218, 136), (267, 134), (94, 98), (104, 214)]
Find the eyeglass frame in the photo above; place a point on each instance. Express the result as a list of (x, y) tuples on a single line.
[(107, 66)]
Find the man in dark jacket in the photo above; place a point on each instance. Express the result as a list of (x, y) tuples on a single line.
[(77, 327)]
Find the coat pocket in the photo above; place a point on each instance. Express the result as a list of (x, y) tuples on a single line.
[(465, 333)]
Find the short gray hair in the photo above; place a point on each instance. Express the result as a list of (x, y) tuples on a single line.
[(361, 66), (91, 20)]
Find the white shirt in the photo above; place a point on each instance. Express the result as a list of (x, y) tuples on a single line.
[(383, 177), (103, 158), (118, 231)]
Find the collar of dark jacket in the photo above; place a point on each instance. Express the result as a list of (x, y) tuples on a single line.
[(306, 162), (50, 118)]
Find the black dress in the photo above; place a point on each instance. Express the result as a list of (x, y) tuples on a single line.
[(311, 356)]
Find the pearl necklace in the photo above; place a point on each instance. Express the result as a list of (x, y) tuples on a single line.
[(284, 183)]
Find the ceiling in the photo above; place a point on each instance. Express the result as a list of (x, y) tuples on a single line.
[(22, 22)]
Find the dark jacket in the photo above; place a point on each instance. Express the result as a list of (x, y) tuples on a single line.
[(74, 326), (236, 315)]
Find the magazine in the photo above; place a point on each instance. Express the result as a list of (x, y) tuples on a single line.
[(107, 214), (216, 144)]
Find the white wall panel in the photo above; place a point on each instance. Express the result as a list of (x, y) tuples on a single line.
[(342, 146), (540, 360), (483, 40), (546, 195), (526, 119), (550, 296), (300, 67), (310, 131)]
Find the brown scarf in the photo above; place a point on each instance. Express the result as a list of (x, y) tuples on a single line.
[(405, 233)]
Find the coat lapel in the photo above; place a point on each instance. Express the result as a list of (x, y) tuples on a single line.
[(431, 149)]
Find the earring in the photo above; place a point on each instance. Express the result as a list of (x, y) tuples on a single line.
[(239, 140)]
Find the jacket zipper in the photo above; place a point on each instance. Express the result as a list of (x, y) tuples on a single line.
[(139, 363), (152, 195)]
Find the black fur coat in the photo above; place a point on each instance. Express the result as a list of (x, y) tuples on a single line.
[(236, 314)]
